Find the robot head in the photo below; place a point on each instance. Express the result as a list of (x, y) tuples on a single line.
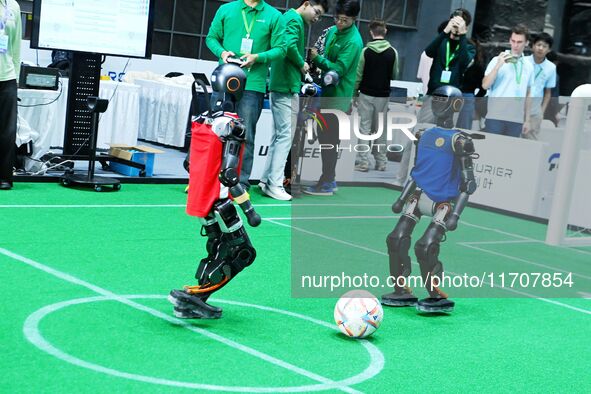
[(447, 100), (229, 81), (331, 78)]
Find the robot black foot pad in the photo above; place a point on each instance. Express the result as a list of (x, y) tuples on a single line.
[(435, 305), (187, 306)]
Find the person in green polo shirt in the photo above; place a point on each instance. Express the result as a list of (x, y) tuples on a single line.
[(285, 84), (343, 48), (10, 62), (253, 31)]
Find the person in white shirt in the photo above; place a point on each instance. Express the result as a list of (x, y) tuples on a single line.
[(544, 82), (509, 79)]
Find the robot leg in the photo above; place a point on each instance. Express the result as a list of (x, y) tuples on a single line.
[(427, 252), (229, 255), (398, 243)]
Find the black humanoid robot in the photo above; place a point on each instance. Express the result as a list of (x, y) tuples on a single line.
[(440, 184), (217, 140)]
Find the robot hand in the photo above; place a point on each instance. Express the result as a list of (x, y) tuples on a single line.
[(452, 223), (243, 200), (397, 206)]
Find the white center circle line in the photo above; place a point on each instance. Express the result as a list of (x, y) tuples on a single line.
[(33, 334)]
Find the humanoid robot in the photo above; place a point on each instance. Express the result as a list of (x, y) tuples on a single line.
[(440, 184), (217, 139)]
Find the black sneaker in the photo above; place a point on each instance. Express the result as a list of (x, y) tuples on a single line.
[(435, 305), (399, 299)]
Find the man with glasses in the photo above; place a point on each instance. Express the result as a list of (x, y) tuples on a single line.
[(285, 84), (252, 31), (343, 48)]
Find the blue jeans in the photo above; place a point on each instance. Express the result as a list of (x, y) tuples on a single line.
[(467, 112), (503, 127), (249, 109)]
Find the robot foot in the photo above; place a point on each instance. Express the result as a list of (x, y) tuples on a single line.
[(187, 306), (403, 298), (435, 305)]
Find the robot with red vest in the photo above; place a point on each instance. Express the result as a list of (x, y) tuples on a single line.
[(440, 184), (217, 139)]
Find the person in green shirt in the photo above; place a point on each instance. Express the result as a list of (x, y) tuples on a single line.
[(285, 84), (343, 48), (252, 31), (10, 48)]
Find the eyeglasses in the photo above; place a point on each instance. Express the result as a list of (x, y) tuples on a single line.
[(343, 19)]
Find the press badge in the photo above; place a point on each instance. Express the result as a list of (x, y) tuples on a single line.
[(3, 42), (445, 76), (246, 46)]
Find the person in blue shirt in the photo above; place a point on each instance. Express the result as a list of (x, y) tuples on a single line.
[(544, 82), (440, 184), (509, 79)]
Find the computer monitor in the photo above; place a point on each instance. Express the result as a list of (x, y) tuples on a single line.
[(398, 95), (113, 27)]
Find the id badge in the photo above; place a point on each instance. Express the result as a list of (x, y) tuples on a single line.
[(445, 76), (3, 42), (246, 46)]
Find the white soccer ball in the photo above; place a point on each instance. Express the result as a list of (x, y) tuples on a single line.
[(358, 314)]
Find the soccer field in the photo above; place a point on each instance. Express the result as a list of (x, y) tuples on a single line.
[(85, 277)]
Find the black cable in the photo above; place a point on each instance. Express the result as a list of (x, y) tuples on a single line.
[(50, 102)]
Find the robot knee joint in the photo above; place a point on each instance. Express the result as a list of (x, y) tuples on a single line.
[(398, 242), (226, 212), (426, 251)]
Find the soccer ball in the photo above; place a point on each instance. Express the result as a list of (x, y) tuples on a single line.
[(358, 314)]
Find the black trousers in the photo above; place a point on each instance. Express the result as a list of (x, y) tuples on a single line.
[(330, 138), (7, 129)]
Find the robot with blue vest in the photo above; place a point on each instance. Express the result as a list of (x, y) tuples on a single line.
[(440, 184)]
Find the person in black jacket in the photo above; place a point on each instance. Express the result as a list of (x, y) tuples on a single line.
[(452, 54), (378, 65)]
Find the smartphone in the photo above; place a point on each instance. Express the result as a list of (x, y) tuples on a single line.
[(512, 59)]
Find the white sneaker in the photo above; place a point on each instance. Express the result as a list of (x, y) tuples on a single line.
[(277, 192), (263, 186)]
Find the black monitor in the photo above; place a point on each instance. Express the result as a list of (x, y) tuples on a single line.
[(114, 28)]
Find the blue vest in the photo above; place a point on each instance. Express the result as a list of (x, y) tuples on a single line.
[(437, 170)]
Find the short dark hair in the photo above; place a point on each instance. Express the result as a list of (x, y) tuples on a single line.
[(348, 7), (323, 3), (464, 13), (547, 38), (520, 29), (378, 27)]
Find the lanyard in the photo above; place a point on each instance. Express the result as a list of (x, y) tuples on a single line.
[(518, 74), (449, 58), (246, 26)]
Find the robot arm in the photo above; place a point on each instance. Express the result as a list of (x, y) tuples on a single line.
[(409, 188), (464, 150), (233, 139), (410, 185)]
